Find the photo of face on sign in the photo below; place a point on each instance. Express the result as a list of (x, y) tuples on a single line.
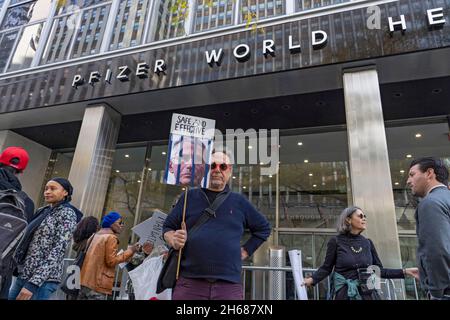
[(187, 161)]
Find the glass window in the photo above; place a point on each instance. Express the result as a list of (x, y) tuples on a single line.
[(26, 13), (170, 20), (408, 247), (18, 36), (129, 24), (7, 40), (74, 5), (58, 166), (314, 179), (213, 14), (124, 186), (76, 34), (26, 47), (157, 195), (406, 143), (302, 5), (58, 45), (254, 10), (87, 39)]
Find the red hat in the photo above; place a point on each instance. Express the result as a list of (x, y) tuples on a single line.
[(15, 157)]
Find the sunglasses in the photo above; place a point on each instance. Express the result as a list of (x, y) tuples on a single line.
[(361, 216), (222, 166)]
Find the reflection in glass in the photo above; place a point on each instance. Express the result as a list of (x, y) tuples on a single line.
[(408, 248), (169, 21), (7, 40), (58, 166), (90, 34), (26, 47), (254, 10), (61, 35), (129, 24), (157, 195), (26, 13), (123, 188), (314, 179), (213, 14), (302, 5), (406, 143), (74, 5)]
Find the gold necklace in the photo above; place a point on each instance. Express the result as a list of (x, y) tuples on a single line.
[(355, 250)]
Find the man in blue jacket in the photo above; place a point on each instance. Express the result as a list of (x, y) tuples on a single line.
[(211, 261), (428, 179)]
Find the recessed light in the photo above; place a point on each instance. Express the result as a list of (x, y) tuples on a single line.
[(300, 143), (320, 103), (250, 147), (314, 185), (261, 163), (117, 171), (270, 176), (418, 135), (139, 181), (149, 169), (183, 189), (396, 183), (409, 156), (402, 171), (163, 153), (310, 174), (234, 177), (244, 187), (306, 161), (127, 156), (436, 91)]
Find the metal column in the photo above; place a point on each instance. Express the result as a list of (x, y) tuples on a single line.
[(92, 161), (369, 162)]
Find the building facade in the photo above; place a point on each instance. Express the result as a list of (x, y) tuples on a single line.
[(356, 88)]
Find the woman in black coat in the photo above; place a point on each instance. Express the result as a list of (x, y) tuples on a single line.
[(348, 256)]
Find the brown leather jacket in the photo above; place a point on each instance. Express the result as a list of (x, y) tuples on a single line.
[(99, 264)]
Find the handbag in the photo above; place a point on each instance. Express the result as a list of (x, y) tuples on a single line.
[(68, 286), (168, 277)]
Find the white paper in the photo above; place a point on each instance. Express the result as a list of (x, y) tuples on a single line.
[(295, 256), (151, 229), (187, 125)]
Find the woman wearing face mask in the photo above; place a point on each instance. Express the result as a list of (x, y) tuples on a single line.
[(98, 270), (348, 256), (40, 254)]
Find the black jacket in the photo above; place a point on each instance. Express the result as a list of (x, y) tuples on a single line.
[(9, 181)]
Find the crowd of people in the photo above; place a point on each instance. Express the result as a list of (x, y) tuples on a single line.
[(212, 254)]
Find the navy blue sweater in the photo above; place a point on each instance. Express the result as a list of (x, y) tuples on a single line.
[(214, 250)]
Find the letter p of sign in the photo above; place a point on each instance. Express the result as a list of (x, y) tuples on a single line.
[(373, 282)]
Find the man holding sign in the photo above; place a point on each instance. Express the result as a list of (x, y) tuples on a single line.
[(211, 262)]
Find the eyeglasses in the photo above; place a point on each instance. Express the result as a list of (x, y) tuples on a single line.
[(361, 216), (222, 166)]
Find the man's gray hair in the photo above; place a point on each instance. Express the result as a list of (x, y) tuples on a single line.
[(343, 227), (226, 151)]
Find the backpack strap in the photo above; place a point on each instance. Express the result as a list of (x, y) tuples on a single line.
[(210, 211)]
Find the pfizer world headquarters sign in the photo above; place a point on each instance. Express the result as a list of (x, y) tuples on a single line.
[(403, 26)]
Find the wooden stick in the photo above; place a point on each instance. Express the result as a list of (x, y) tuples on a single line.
[(183, 222)]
